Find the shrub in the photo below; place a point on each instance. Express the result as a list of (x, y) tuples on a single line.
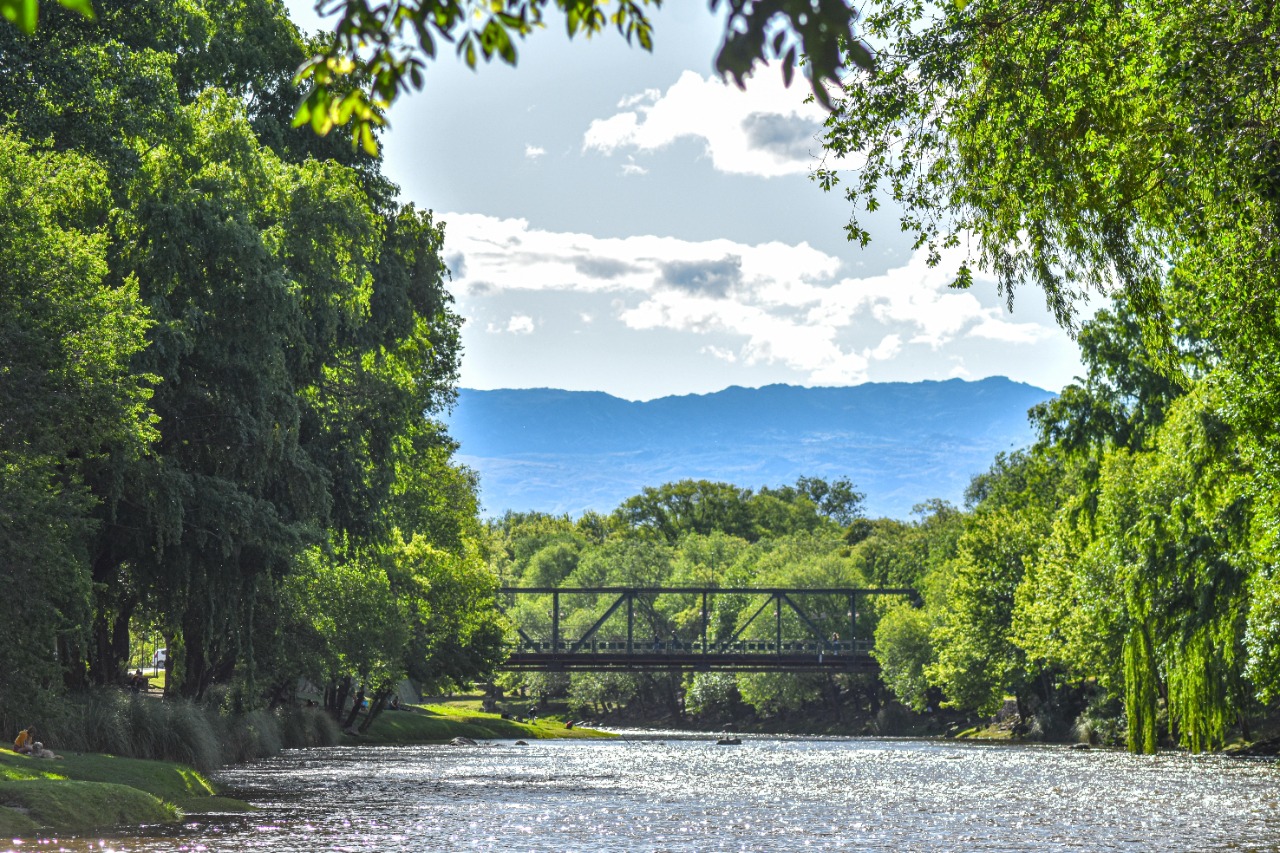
[(198, 735)]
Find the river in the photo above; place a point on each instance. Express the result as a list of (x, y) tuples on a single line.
[(646, 792)]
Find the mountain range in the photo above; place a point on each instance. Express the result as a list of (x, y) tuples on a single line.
[(901, 443)]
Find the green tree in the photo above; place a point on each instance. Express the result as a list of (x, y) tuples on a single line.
[(903, 650), (299, 325), (1123, 398), (976, 661), (689, 506), (1087, 145), (522, 535), (67, 396), (901, 554)]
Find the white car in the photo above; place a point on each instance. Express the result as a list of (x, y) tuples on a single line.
[(158, 659)]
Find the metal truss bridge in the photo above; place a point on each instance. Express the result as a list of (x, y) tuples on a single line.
[(799, 632)]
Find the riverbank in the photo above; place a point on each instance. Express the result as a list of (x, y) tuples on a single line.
[(81, 793), (78, 793), (442, 722)]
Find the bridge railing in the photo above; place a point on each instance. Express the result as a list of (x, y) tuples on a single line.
[(776, 627), (746, 647)]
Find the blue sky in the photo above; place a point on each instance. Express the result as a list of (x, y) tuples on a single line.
[(625, 222)]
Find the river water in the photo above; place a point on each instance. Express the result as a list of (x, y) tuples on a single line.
[(645, 792)]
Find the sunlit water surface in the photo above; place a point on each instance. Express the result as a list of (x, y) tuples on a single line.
[(651, 793)]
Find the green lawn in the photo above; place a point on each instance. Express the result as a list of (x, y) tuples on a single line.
[(82, 793), (441, 722), (88, 792)]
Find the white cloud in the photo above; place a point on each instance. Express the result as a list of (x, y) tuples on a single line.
[(1013, 333), (533, 152), (721, 353), (767, 131), (518, 324), (631, 167), (753, 304), (890, 346)]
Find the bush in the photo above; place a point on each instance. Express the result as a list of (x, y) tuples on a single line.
[(307, 727), (1102, 722), (116, 723)]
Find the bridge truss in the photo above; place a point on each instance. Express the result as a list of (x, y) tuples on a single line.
[(795, 634)]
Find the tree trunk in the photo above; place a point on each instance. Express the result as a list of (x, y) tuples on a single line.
[(375, 708), (355, 710), (1021, 726), (336, 697), (281, 694)]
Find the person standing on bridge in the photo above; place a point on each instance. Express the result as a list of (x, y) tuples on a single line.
[(835, 643)]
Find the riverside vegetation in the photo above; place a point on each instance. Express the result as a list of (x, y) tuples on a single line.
[(125, 762), (226, 346), (1110, 583)]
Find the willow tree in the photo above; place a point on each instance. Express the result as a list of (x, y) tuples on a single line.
[(1093, 147), (300, 330), (67, 395), (1086, 147)]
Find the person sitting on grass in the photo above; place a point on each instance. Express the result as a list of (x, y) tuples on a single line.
[(25, 742)]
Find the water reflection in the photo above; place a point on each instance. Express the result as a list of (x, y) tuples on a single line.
[(678, 794)]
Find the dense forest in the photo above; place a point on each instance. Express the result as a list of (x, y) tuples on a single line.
[(219, 335)]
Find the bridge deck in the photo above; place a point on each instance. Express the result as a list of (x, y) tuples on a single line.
[(690, 661), (736, 657)]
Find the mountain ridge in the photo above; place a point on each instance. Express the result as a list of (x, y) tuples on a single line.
[(901, 443)]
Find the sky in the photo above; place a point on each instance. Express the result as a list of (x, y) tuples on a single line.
[(626, 222)]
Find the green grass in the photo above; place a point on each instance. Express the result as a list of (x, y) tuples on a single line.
[(69, 806), (442, 723), (88, 792)]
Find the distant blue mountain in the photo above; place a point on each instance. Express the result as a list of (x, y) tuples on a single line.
[(900, 443)]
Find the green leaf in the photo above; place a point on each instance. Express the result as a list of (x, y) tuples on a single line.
[(302, 115), (367, 142), (789, 66), (84, 7), (861, 56), (22, 13)]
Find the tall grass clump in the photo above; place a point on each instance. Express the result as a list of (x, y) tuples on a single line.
[(191, 735), (198, 735), (255, 734), (306, 727), (1102, 722)]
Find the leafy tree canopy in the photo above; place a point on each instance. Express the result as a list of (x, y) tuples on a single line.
[(378, 51)]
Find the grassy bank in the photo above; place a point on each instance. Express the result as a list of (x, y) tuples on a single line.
[(85, 792), (443, 721), (131, 760), (90, 793)]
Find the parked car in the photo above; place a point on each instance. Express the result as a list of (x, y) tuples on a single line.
[(158, 659)]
